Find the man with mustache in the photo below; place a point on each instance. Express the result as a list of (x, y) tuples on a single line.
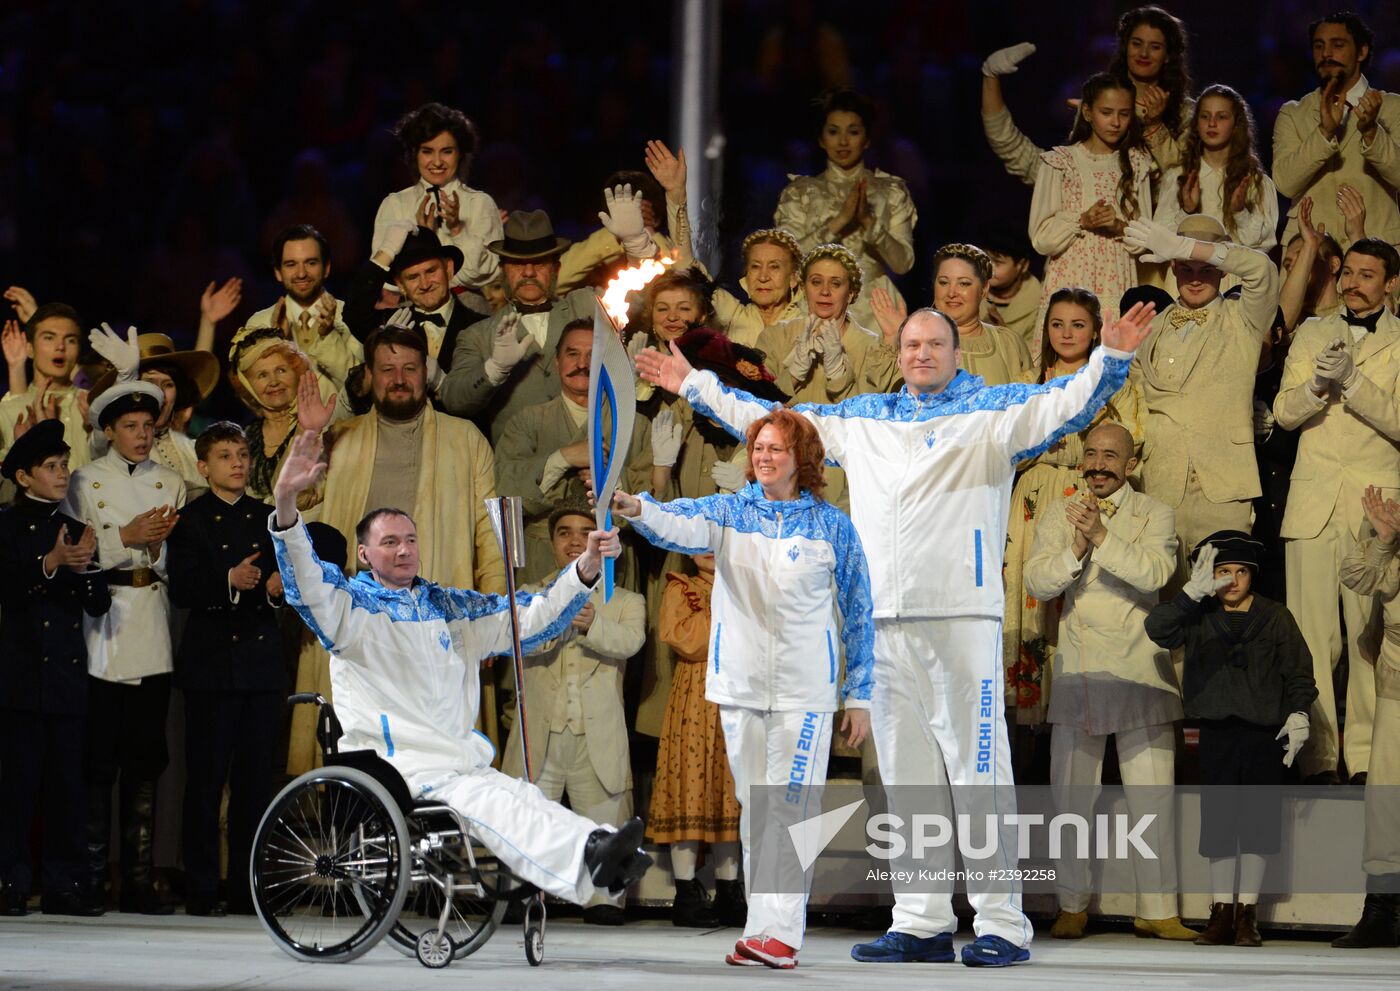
[(501, 366), (1338, 392), (307, 314), (542, 455), (1197, 371), (1109, 551), (1343, 133)]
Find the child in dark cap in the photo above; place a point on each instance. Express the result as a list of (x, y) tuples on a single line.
[(1248, 679)]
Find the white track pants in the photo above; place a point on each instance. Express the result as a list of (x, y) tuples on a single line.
[(938, 719), (786, 749), (539, 840), (1147, 764)]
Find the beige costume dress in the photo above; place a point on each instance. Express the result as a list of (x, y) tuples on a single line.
[(809, 203), (1019, 312), (998, 354)]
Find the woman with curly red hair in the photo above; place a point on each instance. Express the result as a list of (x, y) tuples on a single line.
[(774, 660)]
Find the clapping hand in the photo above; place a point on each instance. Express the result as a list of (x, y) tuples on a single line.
[(1383, 514), (1154, 103), (246, 574), (1368, 108), (1353, 209), (583, 619), (149, 529), (1331, 107), (14, 344), (1191, 192), (66, 554)]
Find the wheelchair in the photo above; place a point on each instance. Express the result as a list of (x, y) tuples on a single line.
[(344, 857)]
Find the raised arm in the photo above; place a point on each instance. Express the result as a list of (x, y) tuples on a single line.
[(1017, 152)]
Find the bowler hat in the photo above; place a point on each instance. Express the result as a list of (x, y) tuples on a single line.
[(421, 246)]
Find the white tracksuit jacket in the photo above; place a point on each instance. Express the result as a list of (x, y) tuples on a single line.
[(404, 661), (930, 477), (773, 645)]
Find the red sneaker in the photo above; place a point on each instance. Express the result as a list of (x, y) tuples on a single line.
[(768, 951), (735, 959)]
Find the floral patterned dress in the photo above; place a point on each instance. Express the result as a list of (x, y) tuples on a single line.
[(693, 797), (1030, 627), (1069, 182)]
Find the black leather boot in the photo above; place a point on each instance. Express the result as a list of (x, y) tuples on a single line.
[(1220, 930), (139, 892), (614, 858), (1379, 924), (1247, 926), (692, 908), (13, 901), (730, 904), (99, 842)]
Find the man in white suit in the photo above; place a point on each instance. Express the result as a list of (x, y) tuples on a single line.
[(1339, 391), (573, 699), (1108, 552)]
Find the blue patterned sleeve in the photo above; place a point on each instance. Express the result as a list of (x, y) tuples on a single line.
[(857, 612), (543, 615), (1062, 407), (730, 408), (686, 526), (319, 592)]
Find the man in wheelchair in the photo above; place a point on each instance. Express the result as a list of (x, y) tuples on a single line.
[(404, 654)]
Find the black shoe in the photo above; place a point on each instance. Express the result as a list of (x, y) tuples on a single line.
[(143, 899), (603, 915), (13, 902), (207, 907), (730, 904), (614, 857), (70, 902), (1379, 924), (1322, 778), (1359, 778), (692, 908)]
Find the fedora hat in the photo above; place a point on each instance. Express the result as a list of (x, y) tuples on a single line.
[(528, 236), (420, 246), (200, 367)]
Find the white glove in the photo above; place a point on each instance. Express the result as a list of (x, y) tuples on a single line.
[(394, 236), (402, 317), (1263, 419), (623, 220), (507, 348), (1203, 581), (125, 355), (666, 435), (1160, 242), (1003, 61), (728, 476), (1295, 727), (435, 375), (1335, 365), (835, 362)]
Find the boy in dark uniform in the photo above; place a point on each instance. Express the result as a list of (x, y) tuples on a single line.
[(1248, 679), (229, 665), (49, 577)]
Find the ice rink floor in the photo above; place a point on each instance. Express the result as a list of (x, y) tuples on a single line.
[(123, 951)]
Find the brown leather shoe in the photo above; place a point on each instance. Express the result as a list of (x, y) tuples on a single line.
[(1163, 929), (1069, 925), (1246, 931), (1220, 930)]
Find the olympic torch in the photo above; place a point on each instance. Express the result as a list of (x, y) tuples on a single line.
[(612, 394)]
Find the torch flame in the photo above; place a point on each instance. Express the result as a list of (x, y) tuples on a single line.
[(630, 280)]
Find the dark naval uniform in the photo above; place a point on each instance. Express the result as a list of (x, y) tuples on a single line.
[(231, 669), (43, 668)]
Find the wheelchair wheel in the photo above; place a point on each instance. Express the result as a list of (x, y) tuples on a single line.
[(330, 865), (470, 923)]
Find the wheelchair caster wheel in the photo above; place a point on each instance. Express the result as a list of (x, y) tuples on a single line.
[(435, 951), (534, 946)]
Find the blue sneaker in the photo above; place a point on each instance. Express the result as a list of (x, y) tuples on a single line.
[(895, 947), (993, 951)]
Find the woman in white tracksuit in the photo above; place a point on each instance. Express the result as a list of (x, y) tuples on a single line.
[(774, 655)]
